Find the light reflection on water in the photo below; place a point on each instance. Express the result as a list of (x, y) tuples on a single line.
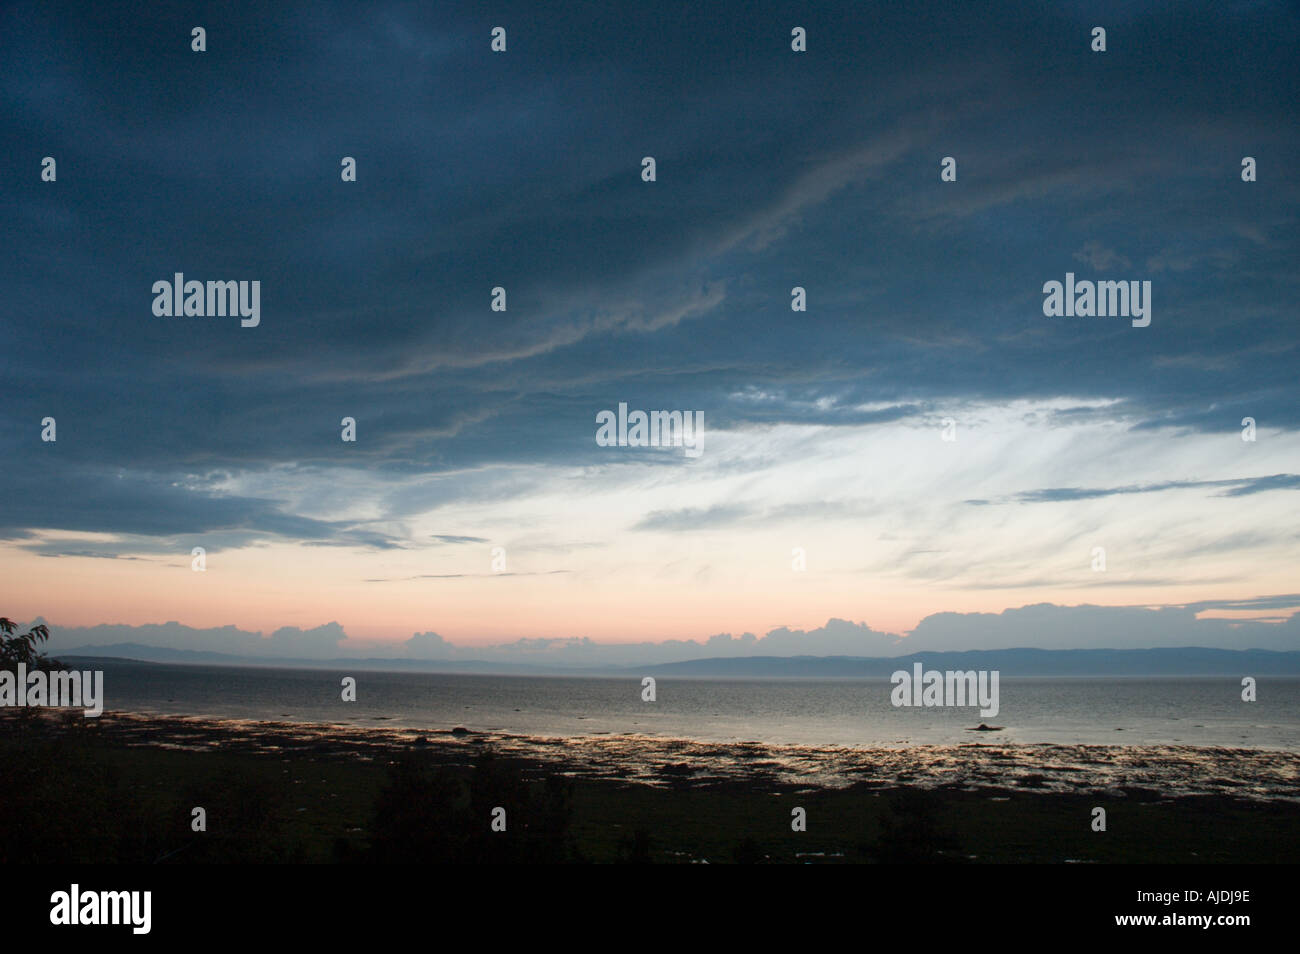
[(1198, 711), (1146, 772)]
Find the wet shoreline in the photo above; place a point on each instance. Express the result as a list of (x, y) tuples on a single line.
[(1145, 772)]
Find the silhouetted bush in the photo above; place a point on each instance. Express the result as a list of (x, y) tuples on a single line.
[(635, 849), (912, 833), (438, 814), (747, 852)]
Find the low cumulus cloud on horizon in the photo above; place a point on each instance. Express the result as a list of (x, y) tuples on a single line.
[(1040, 626)]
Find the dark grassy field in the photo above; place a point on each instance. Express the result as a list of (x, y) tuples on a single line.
[(72, 794)]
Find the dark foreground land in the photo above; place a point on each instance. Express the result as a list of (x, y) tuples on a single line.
[(123, 789)]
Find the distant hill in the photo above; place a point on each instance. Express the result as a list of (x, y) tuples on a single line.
[(139, 652), (1190, 661)]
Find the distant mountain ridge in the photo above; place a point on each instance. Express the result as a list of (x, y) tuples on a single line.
[(1188, 661)]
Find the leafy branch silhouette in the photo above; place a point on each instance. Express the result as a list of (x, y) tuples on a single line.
[(21, 648)]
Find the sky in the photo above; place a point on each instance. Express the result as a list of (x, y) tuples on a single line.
[(922, 454)]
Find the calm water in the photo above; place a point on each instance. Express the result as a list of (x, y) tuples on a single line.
[(1127, 710)]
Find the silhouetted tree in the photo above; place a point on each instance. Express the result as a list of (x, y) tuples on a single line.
[(912, 832), (15, 649), (434, 813), (20, 649)]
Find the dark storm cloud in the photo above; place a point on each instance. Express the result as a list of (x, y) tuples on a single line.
[(522, 170)]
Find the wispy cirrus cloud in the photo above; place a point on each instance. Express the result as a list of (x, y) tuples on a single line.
[(1238, 487)]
